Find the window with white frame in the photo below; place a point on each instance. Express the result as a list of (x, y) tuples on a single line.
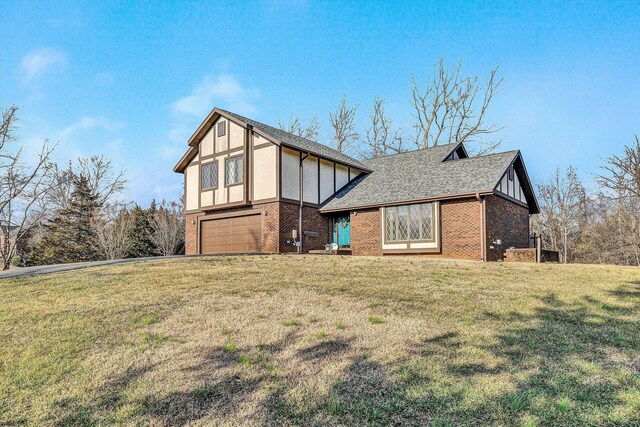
[(209, 173), (409, 223), (222, 128), (234, 170)]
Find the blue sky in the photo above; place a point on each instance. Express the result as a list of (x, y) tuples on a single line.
[(132, 80)]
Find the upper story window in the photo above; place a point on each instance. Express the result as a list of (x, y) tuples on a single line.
[(409, 223), (222, 128), (209, 173), (234, 170)]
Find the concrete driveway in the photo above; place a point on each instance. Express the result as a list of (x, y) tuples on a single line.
[(55, 268)]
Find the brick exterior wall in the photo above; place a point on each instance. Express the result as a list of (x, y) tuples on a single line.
[(312, 220), (278, 219), (191, 234), (459, 226), (366, 232), (507, 221), (460, 223), (520, 255)]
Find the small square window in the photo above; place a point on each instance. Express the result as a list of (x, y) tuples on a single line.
[(222, 128)]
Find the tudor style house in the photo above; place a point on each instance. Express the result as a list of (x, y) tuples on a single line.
[(252, 188)]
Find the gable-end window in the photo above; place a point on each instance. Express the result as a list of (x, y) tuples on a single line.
[(209, 173), (234, 167), (409, 223), (222, 128)]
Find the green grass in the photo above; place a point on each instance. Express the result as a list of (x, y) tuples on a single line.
[(375, 320), (203, 341)]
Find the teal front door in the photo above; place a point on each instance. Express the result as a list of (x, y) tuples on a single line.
[(342, 231)]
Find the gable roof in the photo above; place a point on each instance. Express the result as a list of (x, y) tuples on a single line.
[(278, 136), (423, 175)]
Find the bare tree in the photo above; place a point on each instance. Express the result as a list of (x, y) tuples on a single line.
[(561, 202), (112, 229), (380, 138), (452, 108), (103, 180), (168, 228), (623, 173), (24, 186), (295, 126), (343, 122)]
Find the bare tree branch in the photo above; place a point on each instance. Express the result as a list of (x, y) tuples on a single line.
[(623, 173), (103, 180), (380, 138), (295, 126), (113, 228), (452, 109), (168, 228), (343, 121), (24, 186)]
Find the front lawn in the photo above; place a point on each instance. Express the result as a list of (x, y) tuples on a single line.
[(288, 340)]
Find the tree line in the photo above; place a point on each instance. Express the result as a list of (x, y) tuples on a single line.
[(601, 225), (51, 213)]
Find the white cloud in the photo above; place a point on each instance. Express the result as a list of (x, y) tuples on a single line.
[(223, 90), (38, 61), (89, 123)]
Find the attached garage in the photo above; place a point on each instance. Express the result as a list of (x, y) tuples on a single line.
[(238, 234)]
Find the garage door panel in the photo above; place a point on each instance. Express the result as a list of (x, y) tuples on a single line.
[(231, 235)]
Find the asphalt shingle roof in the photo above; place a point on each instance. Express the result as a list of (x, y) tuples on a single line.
[(421, 174), (299, 142)]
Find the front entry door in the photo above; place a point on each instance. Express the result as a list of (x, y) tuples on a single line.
[(342, 231)]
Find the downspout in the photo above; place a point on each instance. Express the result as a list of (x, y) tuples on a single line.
[(301, 202)]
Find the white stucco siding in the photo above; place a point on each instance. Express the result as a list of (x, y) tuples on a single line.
[(221, 141), (221, 193), (236, 135), (512, 187), (310, 179), (353, 173), (236, 193), (192, 187), (342, 176), (290, 172), (265, 179), (206, 144), (326, 180)]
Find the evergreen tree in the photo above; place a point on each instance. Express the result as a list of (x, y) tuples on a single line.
[(70, 237), (141, 235)]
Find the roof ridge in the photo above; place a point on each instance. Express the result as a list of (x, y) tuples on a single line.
[(490, 155), (412, 151), (244, 118)]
